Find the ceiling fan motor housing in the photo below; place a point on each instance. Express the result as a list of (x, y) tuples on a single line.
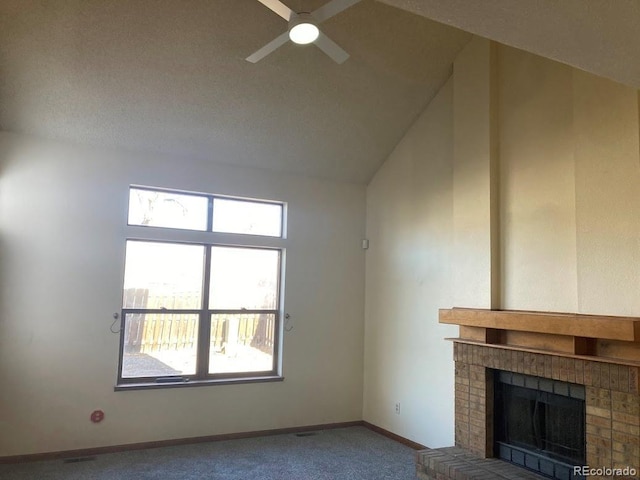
[(303, 29)]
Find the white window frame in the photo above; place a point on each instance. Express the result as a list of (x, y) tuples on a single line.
[(207, 239)]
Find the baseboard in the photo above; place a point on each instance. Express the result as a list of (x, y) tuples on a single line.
[(89, 452), (393, 436)]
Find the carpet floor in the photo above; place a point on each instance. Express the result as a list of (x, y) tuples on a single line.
[(354, 453)]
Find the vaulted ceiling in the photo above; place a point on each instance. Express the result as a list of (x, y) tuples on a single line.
[(170, 76), (599, 36)]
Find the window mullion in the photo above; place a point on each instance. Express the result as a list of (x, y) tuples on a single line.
[(210, 215), (204, 332)]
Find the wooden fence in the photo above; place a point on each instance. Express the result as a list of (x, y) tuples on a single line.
[(154, 332)]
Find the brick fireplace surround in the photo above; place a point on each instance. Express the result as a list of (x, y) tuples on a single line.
[(601, 353)]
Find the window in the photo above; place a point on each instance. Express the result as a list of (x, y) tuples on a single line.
[(201, 296)]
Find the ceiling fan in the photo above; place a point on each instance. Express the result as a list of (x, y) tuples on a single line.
[(303, 29)]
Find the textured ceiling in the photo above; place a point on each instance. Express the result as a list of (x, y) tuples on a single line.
[(599, 36), (169, 76)]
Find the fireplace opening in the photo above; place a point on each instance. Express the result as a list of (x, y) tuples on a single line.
[(539, 423)]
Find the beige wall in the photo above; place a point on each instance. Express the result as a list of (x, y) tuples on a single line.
[(570, 188), (475, 163), (537, 181), (607, 179), (63, 228), (558, 152), (410, 229)]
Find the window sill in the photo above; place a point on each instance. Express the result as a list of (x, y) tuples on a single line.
[(195, 383)]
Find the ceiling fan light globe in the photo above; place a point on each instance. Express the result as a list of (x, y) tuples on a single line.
[(304, 33)]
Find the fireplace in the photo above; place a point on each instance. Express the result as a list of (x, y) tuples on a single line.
[(539, 423), (572, 383)]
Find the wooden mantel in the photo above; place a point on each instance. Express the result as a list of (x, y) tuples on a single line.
[(605, 338)]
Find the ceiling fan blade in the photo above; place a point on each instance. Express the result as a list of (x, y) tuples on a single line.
[(278, 7), (332, 8), (331, 48), (268, 48)]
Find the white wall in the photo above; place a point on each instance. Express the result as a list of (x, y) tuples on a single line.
[(568, 145), (408, 271), (62, 238)]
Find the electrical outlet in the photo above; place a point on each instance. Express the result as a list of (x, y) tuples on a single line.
[(397, 408)]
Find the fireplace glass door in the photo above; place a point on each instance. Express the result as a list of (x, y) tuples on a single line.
[(539, 423)]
